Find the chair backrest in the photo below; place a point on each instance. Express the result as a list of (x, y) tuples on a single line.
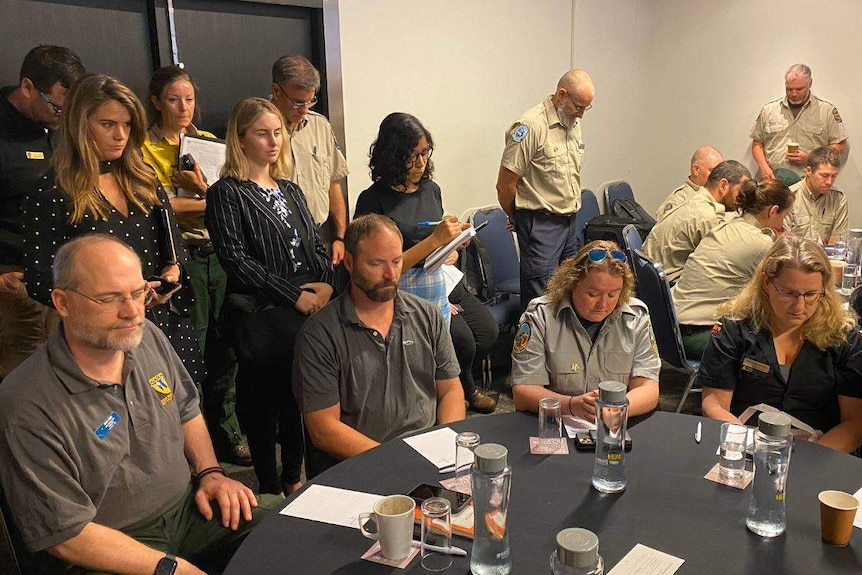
[(589, 210), (499, 244), (654, 291), (633, 241), (612, 191)]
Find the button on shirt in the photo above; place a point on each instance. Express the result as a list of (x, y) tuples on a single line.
[(677, 198), (386, 386), (817, 217), (673, 239), (74, 450), (548, 158), (718, 268), (317, 161), (817, 124), (552, 348)]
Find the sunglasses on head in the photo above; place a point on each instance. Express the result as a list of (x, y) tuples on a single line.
[(597, 255)]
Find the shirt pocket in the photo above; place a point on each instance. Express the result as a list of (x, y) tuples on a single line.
[(775, 126), (320, 172), (619, 365), (811, 129), (566, 372)]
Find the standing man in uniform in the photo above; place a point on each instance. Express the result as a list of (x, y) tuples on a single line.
[(318, 164), (702, 163), (819, 211), (799, 117), (539, 183), (29, 115)]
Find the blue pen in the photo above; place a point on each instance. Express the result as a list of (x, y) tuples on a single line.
[(427, 223)]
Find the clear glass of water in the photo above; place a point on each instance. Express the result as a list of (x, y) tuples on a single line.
[(848, 278), (436, 534), (550, 418), (731, 450), (465, 444)]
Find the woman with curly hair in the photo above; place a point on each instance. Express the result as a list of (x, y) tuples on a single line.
[(786, 342), (586, 329)]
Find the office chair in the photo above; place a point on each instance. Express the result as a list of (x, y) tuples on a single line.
[(589, 210), (613, 191)]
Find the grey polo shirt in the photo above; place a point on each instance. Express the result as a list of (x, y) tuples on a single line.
[(386, 387), (73, 451)]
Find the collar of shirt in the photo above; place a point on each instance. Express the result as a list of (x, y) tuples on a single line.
[(350, 317), (303, 123), (551, 111), (155, 133), (809, 194), (67, 369), (719, 207), (807, 103)]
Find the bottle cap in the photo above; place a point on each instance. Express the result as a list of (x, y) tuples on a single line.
[(577, 547), (491, 457), (774, 424), (612, 391)]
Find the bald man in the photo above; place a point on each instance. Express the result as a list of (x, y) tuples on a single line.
[(539, 183), (702, 162)]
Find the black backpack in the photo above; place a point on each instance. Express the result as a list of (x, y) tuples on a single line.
[(631, 212), (476, 265)]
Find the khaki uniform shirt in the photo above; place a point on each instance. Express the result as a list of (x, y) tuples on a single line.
[(817, 217), (673, 239), (677, 198), (162, 156), (548, 158), (317, 162), (719, 268), (818, 124), (552, 348)]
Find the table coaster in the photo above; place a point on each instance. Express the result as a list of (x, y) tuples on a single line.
[(458, 484), (541, 446), (741, 483), (374, 554)]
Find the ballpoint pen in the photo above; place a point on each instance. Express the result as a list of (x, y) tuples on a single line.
[(444, 550), (697, 433)]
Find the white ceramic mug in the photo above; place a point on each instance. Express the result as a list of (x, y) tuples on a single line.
[(394, 518)]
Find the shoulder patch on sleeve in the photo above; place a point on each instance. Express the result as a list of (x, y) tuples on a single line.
[(520, 133), (522, 336), (652, 341), (836, 115)]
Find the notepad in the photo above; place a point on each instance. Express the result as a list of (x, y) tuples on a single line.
[(436, 258), (436, 446)]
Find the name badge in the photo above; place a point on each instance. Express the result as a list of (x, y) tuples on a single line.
[(750, 365), (35, 155), (103, 430)]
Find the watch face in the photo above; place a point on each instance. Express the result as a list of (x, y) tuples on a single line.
[(166, 566)]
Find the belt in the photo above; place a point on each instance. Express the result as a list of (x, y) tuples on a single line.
[(548, 213), (202, 251)]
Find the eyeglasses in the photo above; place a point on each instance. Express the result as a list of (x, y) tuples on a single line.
[(578, 109), (114, 302), (57, 109), (298, 104), (809, 296), (425, 155), (598, 255)]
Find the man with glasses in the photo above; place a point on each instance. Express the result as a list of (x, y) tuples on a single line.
[(800, 118), (318, 164), (539, 182), (702, 163), (29, 115), (100, 479)]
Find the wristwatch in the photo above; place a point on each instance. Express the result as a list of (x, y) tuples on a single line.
[(167, 565)]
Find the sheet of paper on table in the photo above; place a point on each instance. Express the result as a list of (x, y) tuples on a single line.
[(575, 425), (331, 505), (643, 560), (436, 446), (858, 521)]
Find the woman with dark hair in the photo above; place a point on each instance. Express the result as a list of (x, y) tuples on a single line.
[(172, 105), (403, 190), (724, 261), (278, 273), (100, 183), (586, 329)]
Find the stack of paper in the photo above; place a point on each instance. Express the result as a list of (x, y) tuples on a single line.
[(436, 446)]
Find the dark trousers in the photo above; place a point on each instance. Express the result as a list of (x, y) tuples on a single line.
[(694, 340), (474, 332), (545, 240), (268, 411)]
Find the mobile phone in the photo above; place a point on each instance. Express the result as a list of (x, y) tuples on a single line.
[(425, 491), (165, 287), (584, 441), (187, 162)]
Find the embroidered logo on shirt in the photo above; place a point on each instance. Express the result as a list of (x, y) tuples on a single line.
[(408, 342), (520, 132), (836, 115), (103, 430), (652, 340), (522, 338), (41, 155), (160, 384)]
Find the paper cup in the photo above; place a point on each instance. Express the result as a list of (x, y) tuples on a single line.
[(837, 511), (837, 271), (792, 147)]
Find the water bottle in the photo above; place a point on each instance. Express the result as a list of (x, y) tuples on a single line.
[(772, 443), (577, 553), (612, 411), (491, 479), (854, 247)]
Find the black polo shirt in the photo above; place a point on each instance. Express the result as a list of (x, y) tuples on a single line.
[(745, 362), (25, 148)]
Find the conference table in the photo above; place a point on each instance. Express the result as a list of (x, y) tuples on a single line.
[(667, 506)]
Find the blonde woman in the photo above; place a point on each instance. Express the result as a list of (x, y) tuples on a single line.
[(587, 328), (785, 341), (278, 274), (100, 184)]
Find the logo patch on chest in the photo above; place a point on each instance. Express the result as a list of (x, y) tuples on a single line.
[(160, 384)]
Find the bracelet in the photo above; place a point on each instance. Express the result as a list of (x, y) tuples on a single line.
[(209, 470), (570, 405), (338, 239)]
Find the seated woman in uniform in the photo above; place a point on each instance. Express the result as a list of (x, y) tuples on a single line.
[(724, 261), (786, 342), (586, 329)]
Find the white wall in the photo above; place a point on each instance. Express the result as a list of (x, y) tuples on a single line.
[(466, 69)]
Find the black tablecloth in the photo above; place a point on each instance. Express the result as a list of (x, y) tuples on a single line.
[(667, 506)]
